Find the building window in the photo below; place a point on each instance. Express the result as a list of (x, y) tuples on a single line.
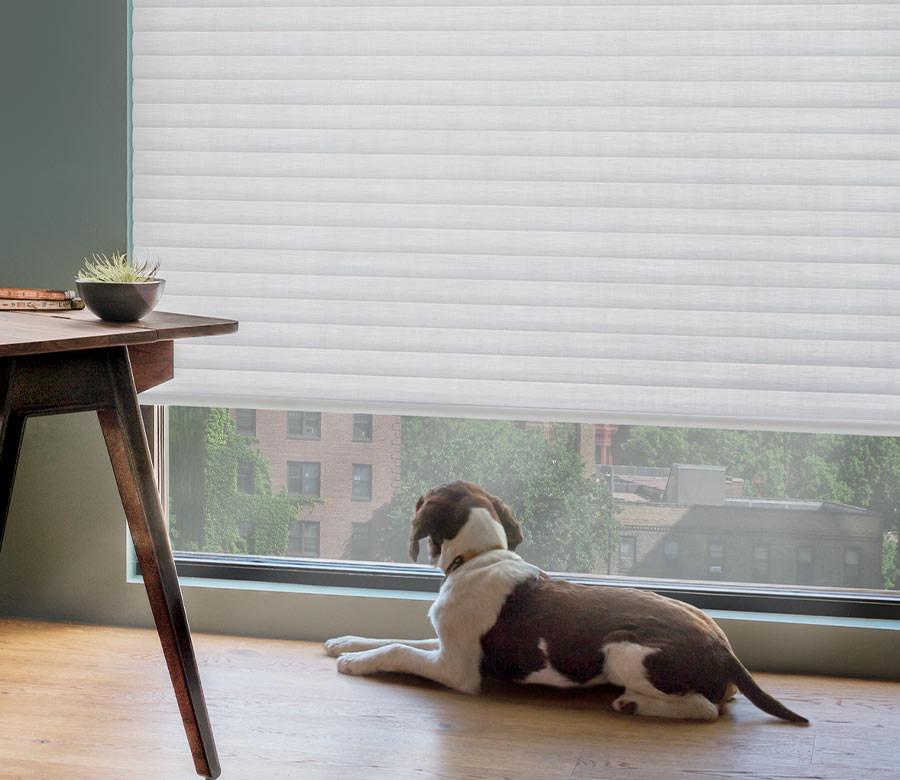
[(245, 421), (627, 546), (362, 427), (852, 568), (359, 542), (362, 482), (304, 539), (716, 559), (303, 478), (671, 558), (304, 425), (245, 529), (245, 478), (760, 563), (805, 565)]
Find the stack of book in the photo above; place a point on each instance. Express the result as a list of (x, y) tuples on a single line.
[(34, 299)]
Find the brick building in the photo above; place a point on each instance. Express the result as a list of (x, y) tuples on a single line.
[(350, 461)]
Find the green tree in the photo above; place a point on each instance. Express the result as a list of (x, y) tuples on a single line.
[(206, 508), (187, 459), (870, 467), (567, 516), (771, 463)]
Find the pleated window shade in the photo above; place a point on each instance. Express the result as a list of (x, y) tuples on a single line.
[(676, 213)]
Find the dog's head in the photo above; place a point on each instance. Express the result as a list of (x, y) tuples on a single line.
[(461, 519)]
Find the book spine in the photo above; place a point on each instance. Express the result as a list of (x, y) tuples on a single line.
[(40, 305), (36, 294)]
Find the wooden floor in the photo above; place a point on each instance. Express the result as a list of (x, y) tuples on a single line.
[(91, 703)]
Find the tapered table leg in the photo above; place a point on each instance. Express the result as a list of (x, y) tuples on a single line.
[(12, 424), (130, 457)]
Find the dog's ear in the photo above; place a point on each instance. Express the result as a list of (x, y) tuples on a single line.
[(421, 526), (510, 525)]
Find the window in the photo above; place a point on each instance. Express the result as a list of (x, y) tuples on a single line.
[(362, 427), (716, 559), (304, 425), (362, 482), (245, 478), (304, 540), (245, 421), (684, 523), (366, 293), (852, 567), (760, 563), (303, 478), (245, 529), (627, 555), (359, 542), (805, 565), (671, 558)]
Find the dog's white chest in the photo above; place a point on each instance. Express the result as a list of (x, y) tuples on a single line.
[(471, 598)]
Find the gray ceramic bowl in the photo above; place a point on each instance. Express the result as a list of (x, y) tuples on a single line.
[(120, 301)]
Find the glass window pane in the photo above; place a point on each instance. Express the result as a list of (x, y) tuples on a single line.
[(304, 425), (245, 421), (362, 482), (627, 546), (244, 477), (362, 427), (694, 504)]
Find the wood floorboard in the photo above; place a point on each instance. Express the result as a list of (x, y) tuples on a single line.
[(95, 703)]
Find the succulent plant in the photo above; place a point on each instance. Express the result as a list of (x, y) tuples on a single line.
[(121, 267)]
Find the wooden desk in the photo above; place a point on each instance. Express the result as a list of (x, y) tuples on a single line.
[(72, 362)]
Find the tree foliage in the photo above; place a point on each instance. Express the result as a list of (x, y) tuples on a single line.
[(567, 516), (772, 464), (207, 509)]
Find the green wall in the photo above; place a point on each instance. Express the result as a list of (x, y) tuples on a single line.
[(63, 136)]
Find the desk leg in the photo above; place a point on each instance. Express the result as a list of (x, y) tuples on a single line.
[(11, 427), (130, 457)]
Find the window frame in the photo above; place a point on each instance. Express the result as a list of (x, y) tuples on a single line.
[(719, 543), (302, 478), (672, 558), (631, 568), (849, 573), (732, 597), (370, 437), (303, 436), (805, 601), (245, 472), (367, 468), (807, 567), (243, 429), (301, 527), (761, 573)]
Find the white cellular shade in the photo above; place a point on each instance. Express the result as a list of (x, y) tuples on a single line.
[(678, 213)]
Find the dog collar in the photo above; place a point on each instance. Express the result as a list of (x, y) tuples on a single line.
[(459, 560)]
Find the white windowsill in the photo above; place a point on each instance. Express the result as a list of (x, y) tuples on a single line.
[(800, 644)]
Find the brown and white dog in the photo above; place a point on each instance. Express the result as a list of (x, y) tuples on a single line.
[(499, 617)]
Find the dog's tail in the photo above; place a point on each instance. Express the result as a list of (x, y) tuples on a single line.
[(748, 686)]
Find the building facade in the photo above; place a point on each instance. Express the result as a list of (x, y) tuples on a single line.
[(349, 461), (703, 533)]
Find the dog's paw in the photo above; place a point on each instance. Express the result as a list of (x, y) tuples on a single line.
[(357, 663), (625, 706), (345, 644)]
